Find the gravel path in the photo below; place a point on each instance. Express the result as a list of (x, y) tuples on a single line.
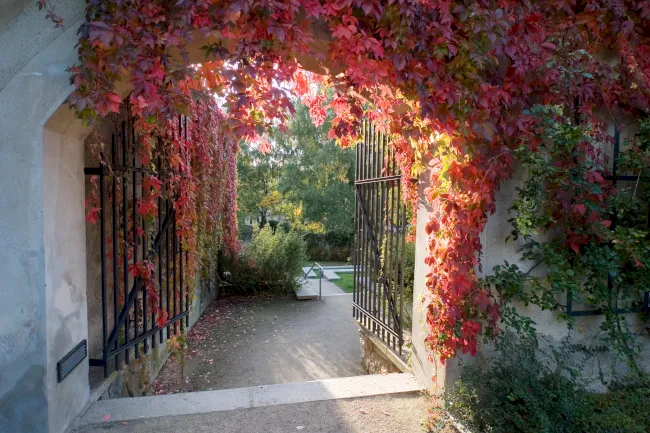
[(241, 342)]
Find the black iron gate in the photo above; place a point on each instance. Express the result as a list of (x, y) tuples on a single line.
[(379, 241), (134, 318)]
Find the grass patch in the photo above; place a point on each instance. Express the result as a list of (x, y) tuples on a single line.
[(326, 263), (346, 283)]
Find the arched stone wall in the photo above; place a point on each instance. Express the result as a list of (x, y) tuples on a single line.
[(29, 395)]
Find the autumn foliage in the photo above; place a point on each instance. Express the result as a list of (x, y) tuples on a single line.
[(453, 81)]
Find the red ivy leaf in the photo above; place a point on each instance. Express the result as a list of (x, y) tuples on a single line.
[(161, 320)]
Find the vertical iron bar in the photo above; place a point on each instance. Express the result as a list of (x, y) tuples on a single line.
[(362, 159), (114, 233), (180, 247), (394, 239), (375, 232), (371, 228), (135, 247), (160, 262), (359, 190), (169, 312), (102, 251), (125, 259), (187, 292), (369, 199), (361, 272), (385, 234), (174, 289), (381, 215), (145, 326), (365, 190), (355, 254), (401, 284)]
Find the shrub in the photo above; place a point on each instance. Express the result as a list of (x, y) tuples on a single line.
[(392, 255), (329, 246), (524, 389), (269, 262), (409, 269)]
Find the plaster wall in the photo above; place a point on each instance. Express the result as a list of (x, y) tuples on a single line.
[(586, 331), (33, 84), (24, 32), (135, 379), (428, 370), (65, 272)]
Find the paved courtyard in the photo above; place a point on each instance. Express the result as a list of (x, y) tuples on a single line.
[(241, 342)]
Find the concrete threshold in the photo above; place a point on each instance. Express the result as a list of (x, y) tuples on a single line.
[(126, 409)]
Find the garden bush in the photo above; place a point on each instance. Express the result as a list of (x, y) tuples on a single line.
[(525, 389), (329, 246), (270, 262)]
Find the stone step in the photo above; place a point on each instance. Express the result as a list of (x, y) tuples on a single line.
[(342, 269), (308, 290), (330, 275), (310, 273), (127, 409)]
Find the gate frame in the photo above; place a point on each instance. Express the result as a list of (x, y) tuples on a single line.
[(126, 169), (380, 218)]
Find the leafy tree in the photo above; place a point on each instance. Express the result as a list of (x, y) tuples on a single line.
[(317, 174), (257, 183), (307, 178)]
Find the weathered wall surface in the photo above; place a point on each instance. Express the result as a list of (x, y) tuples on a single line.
[(65, 272), (33, 84), (429, 372), (24, 32), (586, 330), (376, 357), (135, 379)]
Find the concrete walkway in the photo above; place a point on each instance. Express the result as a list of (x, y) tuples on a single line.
[(381, 414), (242, 342), (126, 409)]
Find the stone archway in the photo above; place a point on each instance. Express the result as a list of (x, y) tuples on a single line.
[(42, 232), (30, 399)]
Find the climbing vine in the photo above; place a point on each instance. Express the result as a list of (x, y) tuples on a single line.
[(453, 81), (189, 167), (598, 253)]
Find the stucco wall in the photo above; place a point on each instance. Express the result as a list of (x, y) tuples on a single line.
[(27, 99), (24, 32), (586, 330), (428, 370), (65, 272)]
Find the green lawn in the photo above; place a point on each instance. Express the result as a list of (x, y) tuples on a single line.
[(326, 263), (346, 283)]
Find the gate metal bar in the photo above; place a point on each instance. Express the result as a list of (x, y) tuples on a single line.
[(132, 320), (380, 238)]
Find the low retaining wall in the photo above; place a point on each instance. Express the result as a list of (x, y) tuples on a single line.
[(135, 379), (376, 357)]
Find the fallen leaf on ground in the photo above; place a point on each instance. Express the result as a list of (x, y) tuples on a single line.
[(386, 413), (106, 418), (363, 411)]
